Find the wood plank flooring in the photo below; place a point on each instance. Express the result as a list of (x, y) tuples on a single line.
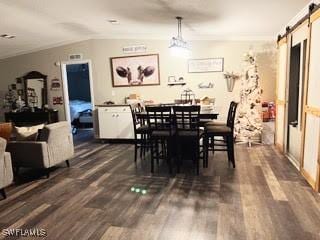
[(263, 198)]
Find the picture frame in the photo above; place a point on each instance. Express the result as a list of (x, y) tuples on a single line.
[(20, 92), (137, 70), (19, 80), (57, 100), (205, 65), (171, 79), (55, 84)]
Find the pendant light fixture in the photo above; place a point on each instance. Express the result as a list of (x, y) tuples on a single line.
[(178, 46)]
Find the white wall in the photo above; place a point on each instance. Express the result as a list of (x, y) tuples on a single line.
[(100, 51)]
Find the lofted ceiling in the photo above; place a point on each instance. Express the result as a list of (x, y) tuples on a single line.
[(40, 24)]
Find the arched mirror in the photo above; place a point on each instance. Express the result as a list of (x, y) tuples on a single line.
[(35, 89)]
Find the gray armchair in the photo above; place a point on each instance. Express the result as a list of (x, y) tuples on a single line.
[(54, 145), (6, 174)]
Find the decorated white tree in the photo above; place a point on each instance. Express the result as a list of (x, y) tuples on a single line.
[(248, 123)]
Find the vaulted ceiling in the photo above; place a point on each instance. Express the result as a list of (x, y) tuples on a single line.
[(39, 24)]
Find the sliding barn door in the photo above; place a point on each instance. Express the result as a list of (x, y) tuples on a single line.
[(281, 93), (294, 107), (310, 163)]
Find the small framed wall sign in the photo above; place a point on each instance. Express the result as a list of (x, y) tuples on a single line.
[(57, 100), (55, 84), (172, 80), (205, 65), (134, 49)]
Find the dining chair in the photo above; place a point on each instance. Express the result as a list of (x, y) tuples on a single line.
[(224, 131), (187, 126), (213, 141), (221, 123), (141, 132), (159, 119)]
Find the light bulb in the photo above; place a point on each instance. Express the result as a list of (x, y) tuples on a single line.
[(180, 52)]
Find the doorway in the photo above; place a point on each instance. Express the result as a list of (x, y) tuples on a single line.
[(295, 102), (78, 96)]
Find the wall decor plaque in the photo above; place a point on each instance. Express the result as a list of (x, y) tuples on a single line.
[(205, 65)]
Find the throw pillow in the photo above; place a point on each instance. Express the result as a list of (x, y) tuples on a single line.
[(5, 130), (28, 133)]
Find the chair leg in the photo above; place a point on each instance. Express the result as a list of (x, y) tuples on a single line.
[(3, 193), (144, 145), (230, 150), (68, 163), (163, 148), (48, 172), (212, 144), (157, 152), (145, 148), (152, 156), (179, 157), (197, 155), (141, 144), (169, 154), (205, 151), (135, 150)]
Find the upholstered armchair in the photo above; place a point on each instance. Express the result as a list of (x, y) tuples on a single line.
[(54, 145), (6, 175)]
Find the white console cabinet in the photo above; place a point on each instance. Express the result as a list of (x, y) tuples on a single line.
[(114, 122)]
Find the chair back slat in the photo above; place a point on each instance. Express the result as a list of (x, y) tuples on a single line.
[(187, 117), (231, 105), (159, 118), (232, 114), (134, 110)]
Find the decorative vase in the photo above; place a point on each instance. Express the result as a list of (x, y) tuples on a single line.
[(230, 83), (230, 79)]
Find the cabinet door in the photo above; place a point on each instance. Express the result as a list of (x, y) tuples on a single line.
[(125, 125), (108, 127)]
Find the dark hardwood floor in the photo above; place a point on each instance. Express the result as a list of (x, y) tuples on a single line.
[(263, 198)]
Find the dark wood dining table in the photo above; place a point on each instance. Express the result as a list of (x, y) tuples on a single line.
[(204, 115)]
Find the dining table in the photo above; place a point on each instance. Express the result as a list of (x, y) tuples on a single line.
[(204, 116)]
